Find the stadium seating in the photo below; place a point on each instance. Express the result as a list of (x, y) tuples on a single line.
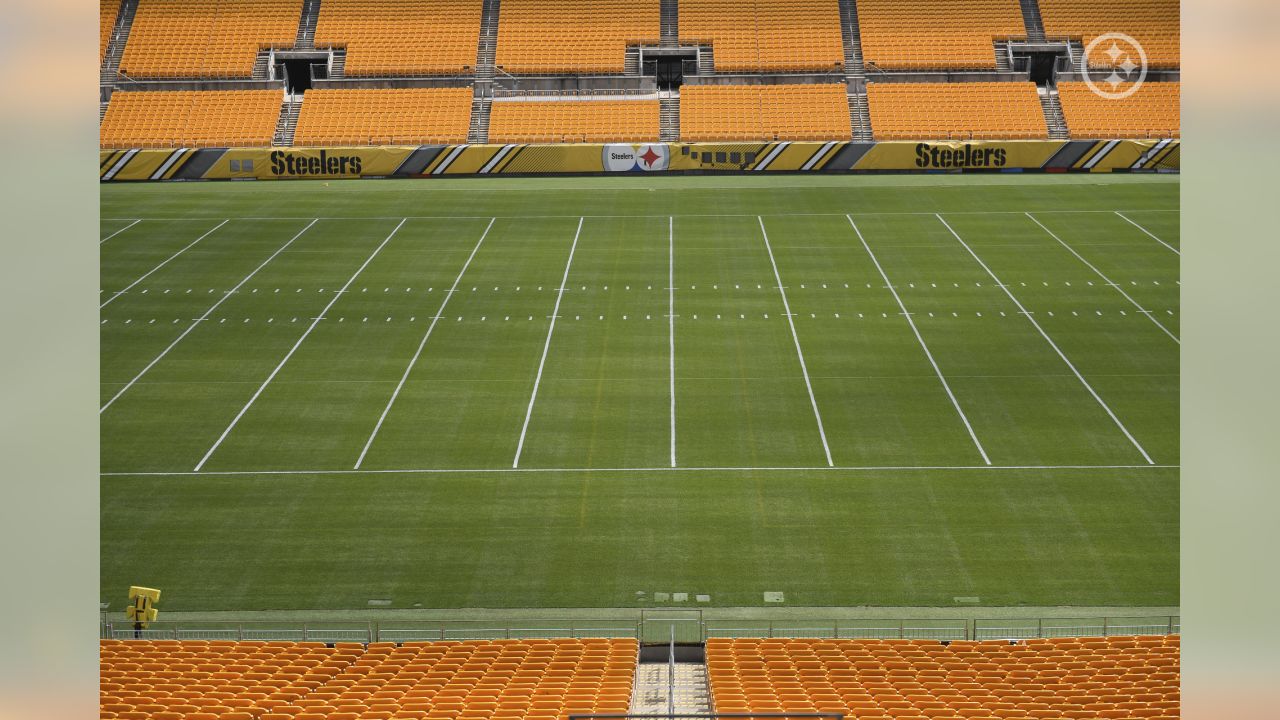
[(935, 34), (764, 35), (1116, 677), (206, 38), (959, 111), (1150, 112), (406, 116), (558, 121), (223, 118), (388, 38), (1155, 24), (108, 11), (569, 37), (764, 112), (499, 679)]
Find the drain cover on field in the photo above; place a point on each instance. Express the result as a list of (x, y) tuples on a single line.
[(703, 598), (380, 602), (774, 597), (680, 597), (661, 597), (969, 599)]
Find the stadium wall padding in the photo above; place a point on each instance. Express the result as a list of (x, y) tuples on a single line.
[(443, 160)]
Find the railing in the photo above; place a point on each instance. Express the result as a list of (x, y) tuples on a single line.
[(691, 629)]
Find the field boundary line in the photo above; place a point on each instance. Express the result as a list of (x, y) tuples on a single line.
[(414, 361), (555, 313), (694, 215), (1031, 318), (204, 317), (1150, 315), (162, 264), (659, 469), (126, 227), (786, 306), (671, 325), (919, 338), (336, 296), (1149, 233)]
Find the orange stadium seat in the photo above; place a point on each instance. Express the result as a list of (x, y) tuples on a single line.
[(108, 11), (936, 34), (958, 111), (1155, 24), (926, 679), (404, 116), (764, 35), (308, 681), (216, 118), (559, 121), (764, 112), (1153, 111), (402, 37), (206, 38), (573, 38)]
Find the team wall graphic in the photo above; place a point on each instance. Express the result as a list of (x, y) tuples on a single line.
[(442, 160)]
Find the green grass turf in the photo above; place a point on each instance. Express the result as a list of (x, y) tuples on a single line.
[(909, 516)]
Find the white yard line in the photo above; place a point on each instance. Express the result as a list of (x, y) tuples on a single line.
[(822, 432), (555, 313), (503, 471), (296, 345), (414, 361), (919, 338), (1150, 315), (671, 326), (1031, 318), (1149, 234), (166, 262), (126, 227), (204, 317)]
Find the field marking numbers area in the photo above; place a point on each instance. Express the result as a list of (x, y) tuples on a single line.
[(126, 227), (786, 306), (1031, 318), (414, 361), (660, 469), (555, 313), (905, 313), (204, 317), (296, 345), (1149, 233), (162, 264), (1150, 315)]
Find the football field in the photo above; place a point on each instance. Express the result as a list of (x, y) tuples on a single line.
[(894, 390)]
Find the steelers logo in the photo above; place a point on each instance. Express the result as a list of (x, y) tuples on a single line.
[(1120, 62)]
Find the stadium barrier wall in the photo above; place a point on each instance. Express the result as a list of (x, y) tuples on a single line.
[(588, 159)]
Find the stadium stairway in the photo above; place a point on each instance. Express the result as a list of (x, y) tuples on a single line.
[(119, 36), (670, 19), (307, 25), (855, 72), (707, 60), (287, 125), (338, 68), (669, 116), (664, 688), (1002, 56), (485, 70), (262, 66), (1031, 18), (860, 115), (1054, 118)]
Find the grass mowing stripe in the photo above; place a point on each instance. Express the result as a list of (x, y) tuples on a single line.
[(204, 317), (1149, 233), (1052, 344), (1150, 315), (418, 353), (293, 349), (907, 314), (126, 227), (555, 312), (162, 264), (671, 326), (822, 432)]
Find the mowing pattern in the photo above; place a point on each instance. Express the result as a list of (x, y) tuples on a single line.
[(381, 349)]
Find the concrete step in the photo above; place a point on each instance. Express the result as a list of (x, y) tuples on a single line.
[(655, 690)]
